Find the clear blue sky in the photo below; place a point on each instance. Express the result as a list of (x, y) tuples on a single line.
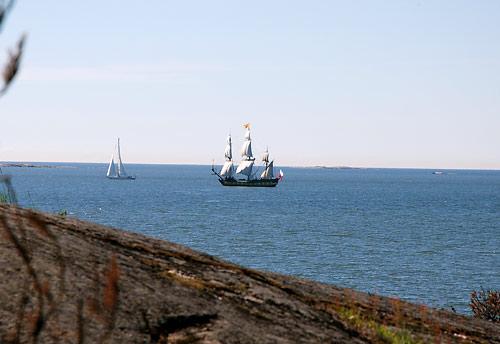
[(356, 83)]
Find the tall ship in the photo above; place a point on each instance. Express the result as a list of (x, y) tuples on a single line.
[(116, 170), (229, 177)]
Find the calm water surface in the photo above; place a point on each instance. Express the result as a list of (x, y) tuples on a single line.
[(407, 233)]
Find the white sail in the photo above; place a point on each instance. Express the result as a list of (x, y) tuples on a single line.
[(111, 168), (265, 156), (246, 150), (268, 172), (227, 169), (228, 153), (245, 167)]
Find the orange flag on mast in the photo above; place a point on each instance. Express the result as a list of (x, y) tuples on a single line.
[(246, 126)]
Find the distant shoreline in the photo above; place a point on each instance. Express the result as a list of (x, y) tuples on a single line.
[(32, 165), (334, 167)]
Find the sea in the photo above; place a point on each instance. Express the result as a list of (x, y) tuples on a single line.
[(408, 233)]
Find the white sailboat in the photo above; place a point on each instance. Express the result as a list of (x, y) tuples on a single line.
[(116, 170), (227, 177)]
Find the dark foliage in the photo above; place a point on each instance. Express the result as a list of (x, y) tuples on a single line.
[(485, 304)]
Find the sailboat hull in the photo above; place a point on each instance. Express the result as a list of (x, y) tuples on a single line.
[(121, 177), (249, 183)]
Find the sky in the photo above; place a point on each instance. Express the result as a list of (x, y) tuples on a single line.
[(398, 84)]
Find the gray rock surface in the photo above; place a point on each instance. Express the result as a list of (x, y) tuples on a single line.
[(66, 280)]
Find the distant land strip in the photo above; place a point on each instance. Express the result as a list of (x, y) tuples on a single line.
[(334, 167), (31, 165)]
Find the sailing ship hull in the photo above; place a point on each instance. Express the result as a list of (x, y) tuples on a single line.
[(227, 175), (252, 183)]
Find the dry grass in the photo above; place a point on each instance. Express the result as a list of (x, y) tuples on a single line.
[(404, 323), (41, 298)]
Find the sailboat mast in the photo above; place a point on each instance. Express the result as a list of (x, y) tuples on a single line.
[(121, 169), (119, 158), (118, 147)]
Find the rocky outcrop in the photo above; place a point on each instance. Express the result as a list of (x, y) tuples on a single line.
[(65, 280)]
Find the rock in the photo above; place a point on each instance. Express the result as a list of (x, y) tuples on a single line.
[(66, 280)]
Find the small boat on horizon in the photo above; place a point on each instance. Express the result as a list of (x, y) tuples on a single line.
[(227, 175), (116, 170)]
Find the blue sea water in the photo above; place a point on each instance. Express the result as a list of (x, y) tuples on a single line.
[(398, 232)]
